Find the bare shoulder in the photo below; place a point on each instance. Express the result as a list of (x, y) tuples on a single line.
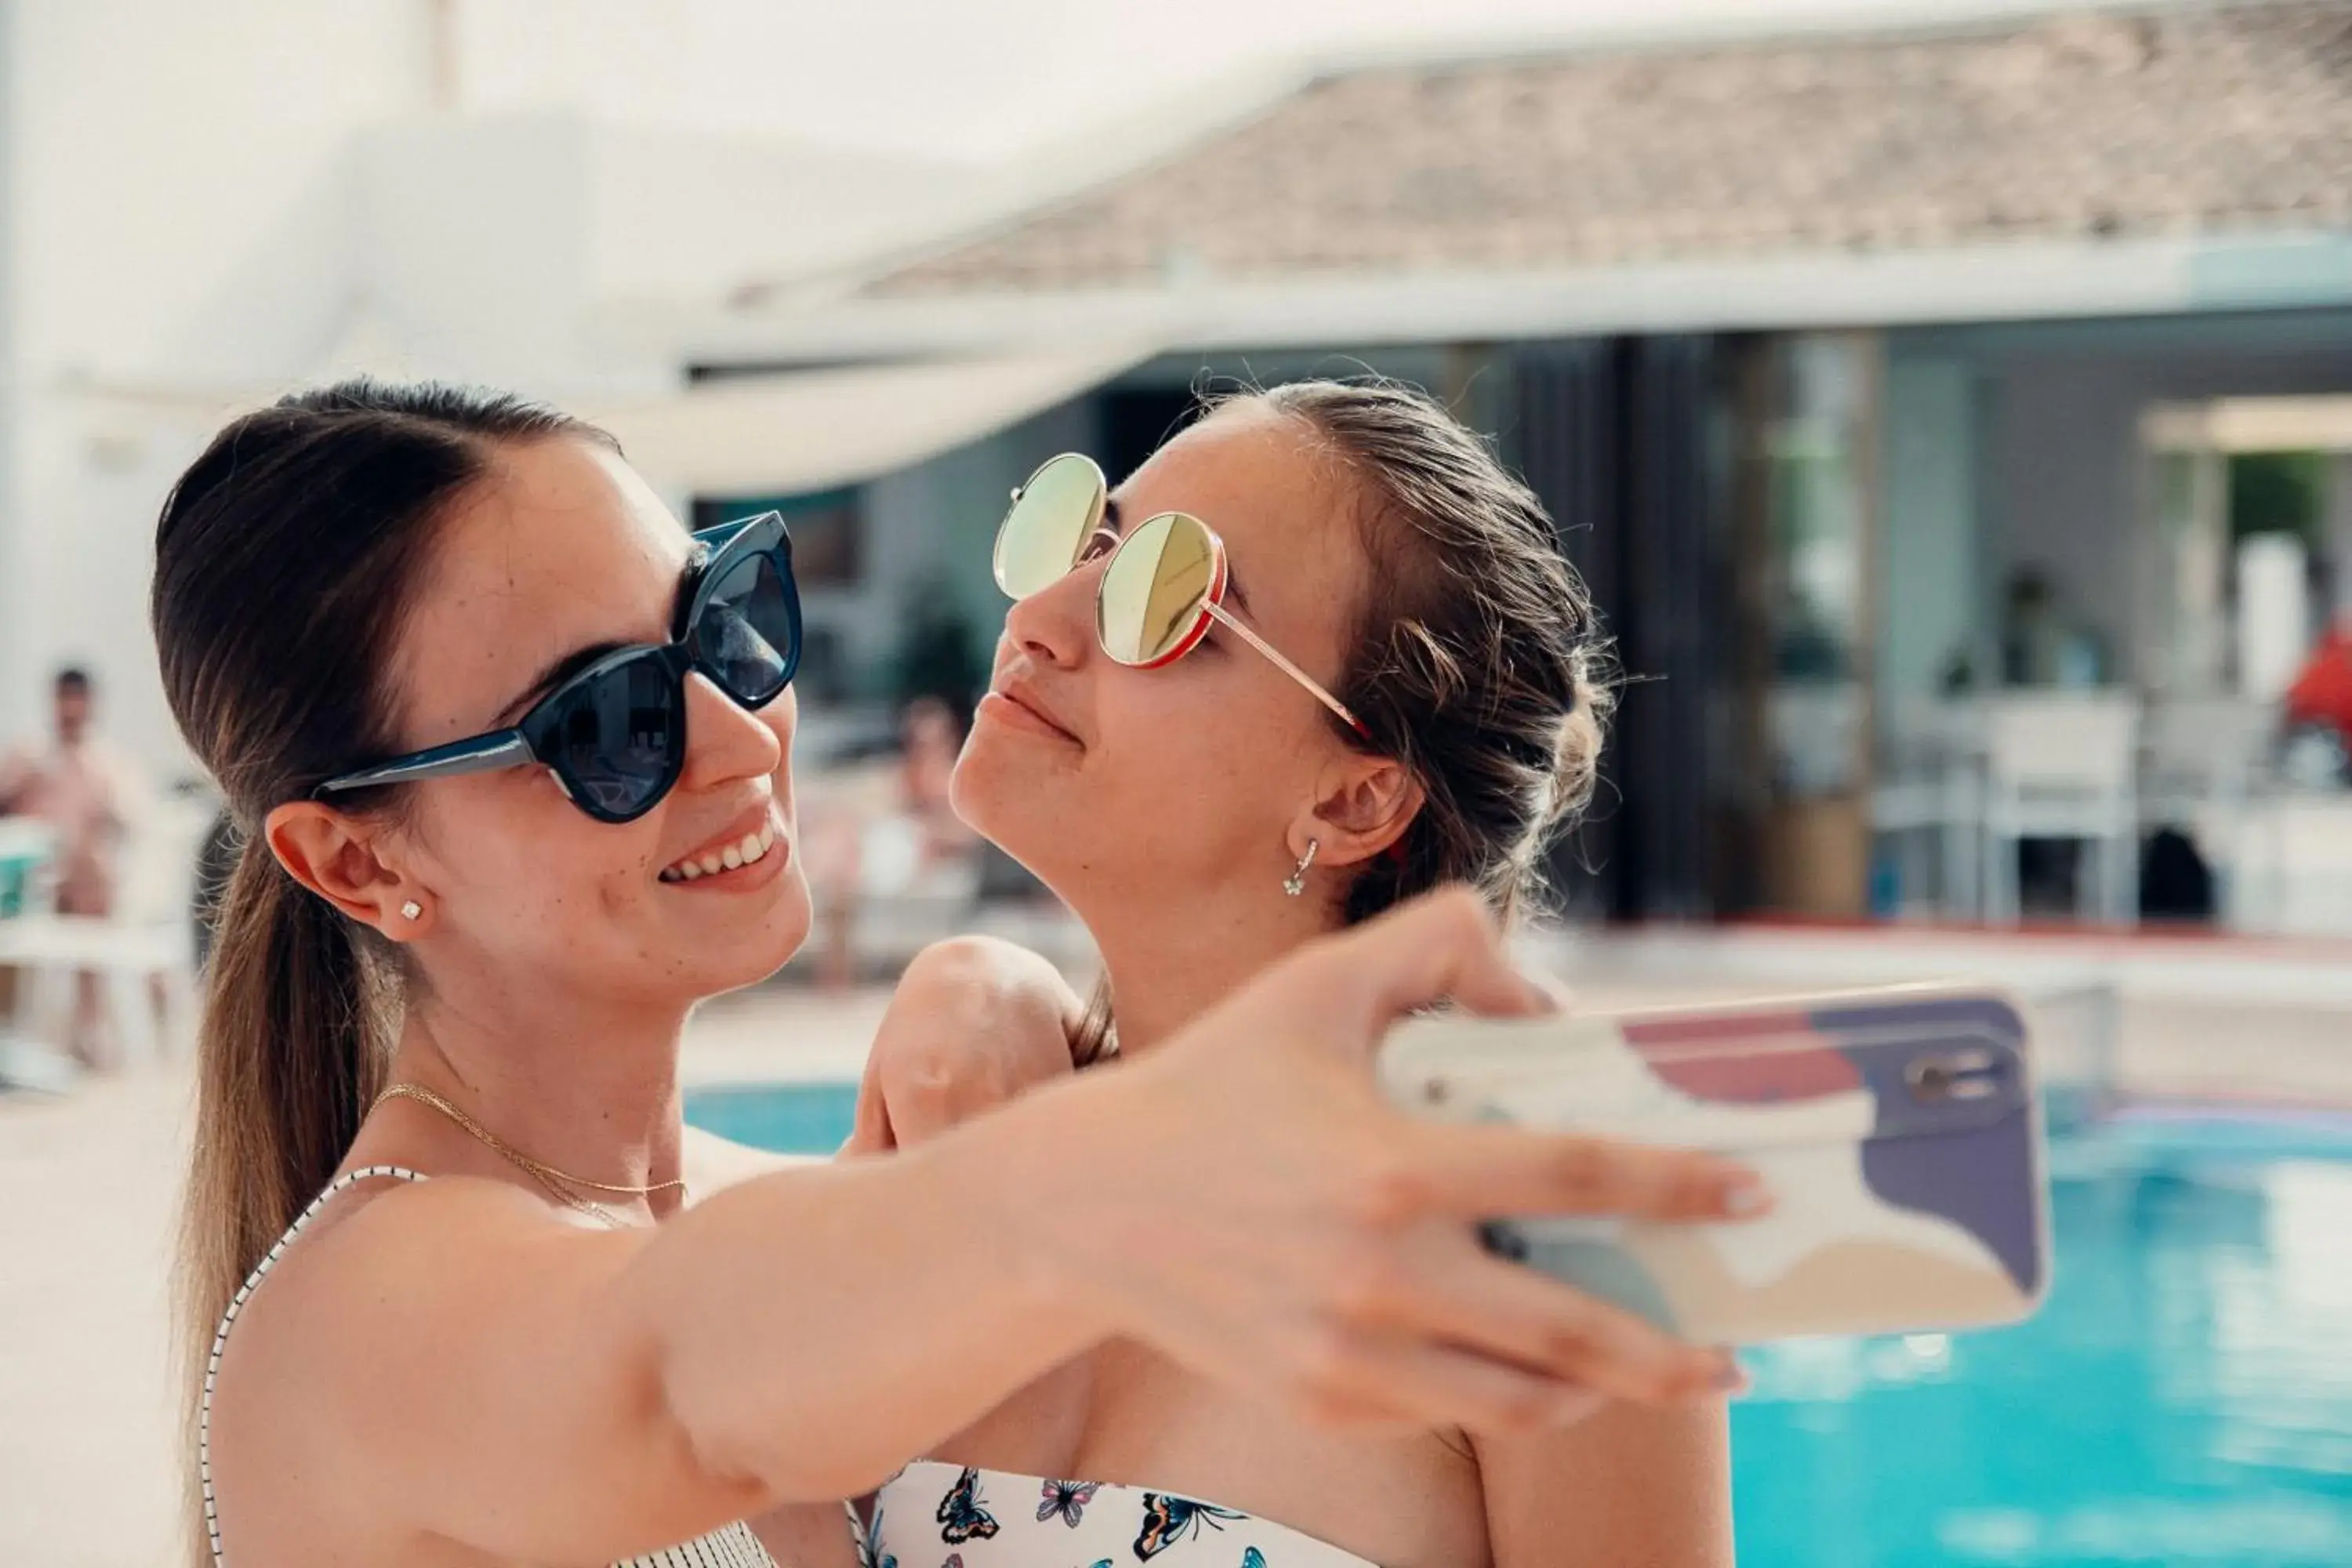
[(383, 1221), (711, 1163), (377, 1230)]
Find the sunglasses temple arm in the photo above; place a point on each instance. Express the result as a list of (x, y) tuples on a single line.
[(482, 755), (1315, 687)]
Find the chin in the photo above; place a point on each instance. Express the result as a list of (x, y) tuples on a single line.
[(1004, 801), (1028, 815), (752, 943)]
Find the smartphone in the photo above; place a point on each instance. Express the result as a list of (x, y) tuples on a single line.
[(1897, 1130)]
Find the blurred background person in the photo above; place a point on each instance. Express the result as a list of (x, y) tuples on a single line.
[(884, 832), (89, 794)]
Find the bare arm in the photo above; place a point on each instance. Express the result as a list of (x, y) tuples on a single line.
[(16, 772), (468, 1367), (550, 1391), (799, 1535), (1629, 1487), (974, 1021)]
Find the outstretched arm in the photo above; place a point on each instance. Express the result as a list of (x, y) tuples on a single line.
[(1629, 1487), (1242, 1200)]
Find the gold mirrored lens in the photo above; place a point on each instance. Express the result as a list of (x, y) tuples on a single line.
[(1153, 589), (1042, 535)]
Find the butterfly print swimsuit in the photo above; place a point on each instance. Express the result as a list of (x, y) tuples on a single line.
[(942, 1516)]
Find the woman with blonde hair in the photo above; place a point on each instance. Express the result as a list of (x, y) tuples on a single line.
[(1319, 655)]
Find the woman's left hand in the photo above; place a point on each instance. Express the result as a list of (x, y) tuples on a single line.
[(975, 1023)]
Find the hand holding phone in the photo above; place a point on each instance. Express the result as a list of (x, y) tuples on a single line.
[(1897, 1131)]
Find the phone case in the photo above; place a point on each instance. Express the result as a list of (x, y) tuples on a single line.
[(1898, 1131)]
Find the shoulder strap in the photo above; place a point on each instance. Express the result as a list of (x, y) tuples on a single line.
[(228, 1319)]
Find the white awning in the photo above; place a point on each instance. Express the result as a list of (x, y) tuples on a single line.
[(2320, 424), (809, 430)]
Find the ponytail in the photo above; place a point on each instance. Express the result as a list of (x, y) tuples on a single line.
[(286, 558), (290, 1052)]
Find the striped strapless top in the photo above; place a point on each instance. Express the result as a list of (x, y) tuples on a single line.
[(733, 1547)]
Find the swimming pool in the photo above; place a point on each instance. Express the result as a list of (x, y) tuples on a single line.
[(2184, 1398)]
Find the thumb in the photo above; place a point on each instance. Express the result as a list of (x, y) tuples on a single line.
[(871, 1130)]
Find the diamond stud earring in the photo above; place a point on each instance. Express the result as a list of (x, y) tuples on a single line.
[(411, 909)]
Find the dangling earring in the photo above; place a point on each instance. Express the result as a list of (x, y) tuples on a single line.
[(1296, 883), (411, 909)]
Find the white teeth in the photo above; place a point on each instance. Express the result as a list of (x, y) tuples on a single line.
[(750, 849)]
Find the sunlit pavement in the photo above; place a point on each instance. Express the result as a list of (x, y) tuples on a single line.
[(88, 1466)]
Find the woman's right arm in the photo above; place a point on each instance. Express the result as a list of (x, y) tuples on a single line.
[(1241, 1199), (544, 1392)]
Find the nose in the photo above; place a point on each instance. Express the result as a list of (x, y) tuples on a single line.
[(726, 742), (1054, 626)]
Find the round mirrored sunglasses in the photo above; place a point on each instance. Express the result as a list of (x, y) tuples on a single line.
[(1163, 581)]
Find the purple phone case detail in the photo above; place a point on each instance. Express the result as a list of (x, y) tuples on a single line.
[(1899, 1132)]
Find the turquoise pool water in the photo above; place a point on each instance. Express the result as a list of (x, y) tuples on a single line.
[(2184, 1398)]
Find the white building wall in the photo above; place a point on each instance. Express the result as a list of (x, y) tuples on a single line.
[(208, 201), (175, 215), (475, 239), (1930, 600), (698, 215), (2064, 464)]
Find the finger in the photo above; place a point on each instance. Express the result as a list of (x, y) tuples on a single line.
[(1444, 946), (1509, 1312), (1403, 1381), (1481, 1171), (1557, 992), (869, 1123), (869, 1129), (933, 1096)]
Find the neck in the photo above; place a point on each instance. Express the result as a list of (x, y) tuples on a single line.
[(587, 1084), (1176, 959)]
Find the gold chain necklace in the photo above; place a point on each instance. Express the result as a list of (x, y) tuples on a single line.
[(547, 1176)]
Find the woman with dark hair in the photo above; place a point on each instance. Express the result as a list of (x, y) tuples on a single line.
[(1317, 656), (506, 750)]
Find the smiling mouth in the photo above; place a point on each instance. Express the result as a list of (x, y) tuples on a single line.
[(748, 850)]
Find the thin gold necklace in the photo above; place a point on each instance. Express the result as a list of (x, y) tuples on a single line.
[(547, 1176)]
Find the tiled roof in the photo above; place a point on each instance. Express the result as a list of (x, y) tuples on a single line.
[(2162, 124)]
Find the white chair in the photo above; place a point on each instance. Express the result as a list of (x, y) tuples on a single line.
[(149, 940), (2201, 752), (1929, 782), (2062, 766), (2204, 764)]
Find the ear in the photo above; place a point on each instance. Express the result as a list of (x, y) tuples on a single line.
[(1361, 805), (341, 858)]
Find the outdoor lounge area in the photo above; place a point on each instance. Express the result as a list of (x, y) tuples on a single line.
[(577, 576)]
